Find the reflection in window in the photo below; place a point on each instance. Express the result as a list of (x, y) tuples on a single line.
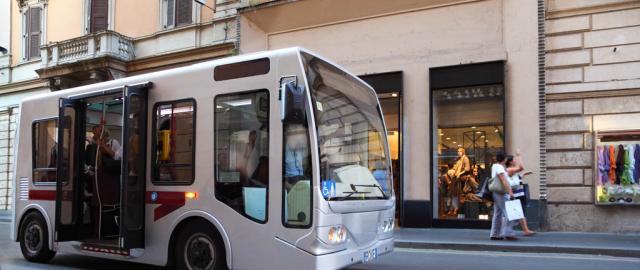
[(242, 152), (469, 122), (174, 140), (353, 158), (45, 134)]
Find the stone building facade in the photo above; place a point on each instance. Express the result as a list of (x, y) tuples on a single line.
[(590, 59), (79, 42), (592, 85), (455, 73)]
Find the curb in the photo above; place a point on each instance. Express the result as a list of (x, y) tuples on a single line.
[(521, 248)]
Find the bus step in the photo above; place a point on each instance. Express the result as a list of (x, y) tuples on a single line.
[(104, 249)]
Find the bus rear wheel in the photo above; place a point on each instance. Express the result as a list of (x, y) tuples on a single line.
[(199, 248), (34, 239)]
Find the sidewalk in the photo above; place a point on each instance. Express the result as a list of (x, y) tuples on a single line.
[(620, 245)]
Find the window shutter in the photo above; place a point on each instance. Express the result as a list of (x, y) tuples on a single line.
[(99, 12), (35, 20), (184, 10), (171, 12), (25, 35)]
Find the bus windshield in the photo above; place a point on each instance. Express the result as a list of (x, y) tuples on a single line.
[(353, 160)]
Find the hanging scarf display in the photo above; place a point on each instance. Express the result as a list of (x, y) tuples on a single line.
[(601, 167), (606, 164), (612, 164), (636, 156), (619, 164), (627, 171), (632, 163)]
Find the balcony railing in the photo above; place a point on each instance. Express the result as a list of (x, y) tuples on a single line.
[(106, 43)]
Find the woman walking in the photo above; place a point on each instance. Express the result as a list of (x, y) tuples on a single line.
[(501, 227), (514, 167)]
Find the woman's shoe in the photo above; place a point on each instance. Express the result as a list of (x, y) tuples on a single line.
[(511, 238), (529, 233), (496, 238)]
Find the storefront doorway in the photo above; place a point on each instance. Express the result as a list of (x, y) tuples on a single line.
[(388, 86), (467, 125)]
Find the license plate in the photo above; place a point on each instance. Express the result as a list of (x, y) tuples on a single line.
[(370, 255)]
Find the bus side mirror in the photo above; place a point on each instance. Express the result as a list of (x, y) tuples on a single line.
[(293, 103)]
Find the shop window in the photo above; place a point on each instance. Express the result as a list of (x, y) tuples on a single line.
[(174, 141), (468, 126), (177, 13), (617, 155), (242, 152), (45, 134)]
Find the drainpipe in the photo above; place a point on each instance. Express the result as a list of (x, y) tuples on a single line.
[(542, 118)]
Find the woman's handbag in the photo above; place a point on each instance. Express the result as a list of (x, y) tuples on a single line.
[(495, 185), (484, 192)]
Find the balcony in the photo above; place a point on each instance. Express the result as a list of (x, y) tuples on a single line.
[(88, 47), (87, 59)]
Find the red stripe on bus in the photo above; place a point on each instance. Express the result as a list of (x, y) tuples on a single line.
[(164, 210), (169, 201), (42, 195)]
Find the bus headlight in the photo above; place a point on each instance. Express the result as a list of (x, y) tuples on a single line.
[(387, 225), (337, 234)]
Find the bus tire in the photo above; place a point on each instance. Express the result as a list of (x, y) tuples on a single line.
[(199, 247), (34, 239)]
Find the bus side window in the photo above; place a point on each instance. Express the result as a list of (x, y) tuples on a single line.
[(296, 176), (45, 138), (174, 141), (242, 152)]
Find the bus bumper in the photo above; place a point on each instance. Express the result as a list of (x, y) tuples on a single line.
[(353, 256)]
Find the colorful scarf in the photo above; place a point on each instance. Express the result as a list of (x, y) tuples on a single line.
[(612, 164), (626, 178)]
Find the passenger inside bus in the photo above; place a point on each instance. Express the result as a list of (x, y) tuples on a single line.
[(242, 153), (296, 154), (104, 154)]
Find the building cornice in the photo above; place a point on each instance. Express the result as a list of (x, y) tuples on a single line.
[(181, 58), (22, 86)]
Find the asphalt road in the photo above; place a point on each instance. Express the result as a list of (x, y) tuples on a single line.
[(405, 259)]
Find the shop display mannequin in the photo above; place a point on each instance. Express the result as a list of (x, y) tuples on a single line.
[(461, 170)]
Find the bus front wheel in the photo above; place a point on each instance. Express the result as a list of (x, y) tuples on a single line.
[(34, 239), (199, 248)]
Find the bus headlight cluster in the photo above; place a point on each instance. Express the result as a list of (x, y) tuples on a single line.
[(337, 234), (387, 225)]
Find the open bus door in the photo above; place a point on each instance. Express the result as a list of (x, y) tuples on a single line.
[(69, 214), (133, 167)]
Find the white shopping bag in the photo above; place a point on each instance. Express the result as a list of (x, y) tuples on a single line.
[(514, 210)]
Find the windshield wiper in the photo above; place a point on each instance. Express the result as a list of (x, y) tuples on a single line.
[(355, 191), (384, 196), (350, 193)]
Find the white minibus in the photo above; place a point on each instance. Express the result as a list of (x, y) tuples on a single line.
[(271, 160)]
